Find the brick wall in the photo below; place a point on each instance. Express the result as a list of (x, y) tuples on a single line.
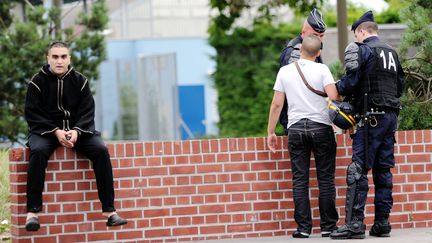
[(203, 189)]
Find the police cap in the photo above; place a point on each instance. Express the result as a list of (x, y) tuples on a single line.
[(366, 17), (316, 21)]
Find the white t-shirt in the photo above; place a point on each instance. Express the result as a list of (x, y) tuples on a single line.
[(302, 102)]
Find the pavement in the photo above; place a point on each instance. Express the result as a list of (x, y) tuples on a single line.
[(412, 235)]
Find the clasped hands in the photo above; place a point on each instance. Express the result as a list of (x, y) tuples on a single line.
[(67, 138)]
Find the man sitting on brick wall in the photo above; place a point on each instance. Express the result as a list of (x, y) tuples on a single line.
[(59, 110)]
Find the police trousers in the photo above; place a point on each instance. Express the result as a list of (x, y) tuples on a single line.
[(380, 159), (41, 147), (304, 137)]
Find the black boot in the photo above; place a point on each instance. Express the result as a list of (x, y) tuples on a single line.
[(380, 228), (353, 230)]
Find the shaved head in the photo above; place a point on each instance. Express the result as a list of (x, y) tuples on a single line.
[(311, 45)]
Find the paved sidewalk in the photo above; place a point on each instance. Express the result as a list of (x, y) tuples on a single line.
[(417, 235)]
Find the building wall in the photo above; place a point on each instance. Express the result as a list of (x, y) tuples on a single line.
[(204, 189), (193, 67)]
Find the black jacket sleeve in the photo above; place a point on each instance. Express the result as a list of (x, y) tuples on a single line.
[(86, 112), (38, 120)]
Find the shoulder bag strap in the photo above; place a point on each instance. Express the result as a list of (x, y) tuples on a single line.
[(320, 93)]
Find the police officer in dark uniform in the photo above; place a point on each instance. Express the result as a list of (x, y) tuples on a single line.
[(313, 25), (373, 83)]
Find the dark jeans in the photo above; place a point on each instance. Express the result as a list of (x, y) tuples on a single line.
[(41, 147), (304, 137), (380, 160)]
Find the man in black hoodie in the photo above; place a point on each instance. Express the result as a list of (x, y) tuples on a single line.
[(59, 110)]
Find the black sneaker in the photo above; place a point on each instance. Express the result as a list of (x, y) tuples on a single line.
[(380, 228), (115, 220), (353, 230), (299, 234), (32, 224), (326, 233)]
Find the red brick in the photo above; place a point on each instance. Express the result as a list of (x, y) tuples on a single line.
[(237, 207), (120, 173), (219, 145), (266, 226), (184, 220), (207, 179), (419, 178), (212, 229), (423, 196), (241, 187), (184, 211), (16, 154), (196, 159), (68, 218), (157, 233), (158, 148), (265, 206), (210, 189), (182, 190), (186, 147), (240, 228), (249, 156), (154, 171), (185, 231), (423, 158), (205, 146), (130, 235), (261, 186), (103, 236), (183, 159), (148, 149), (209, 158), (236, 167), (64, 176), (211, 209), (152, 213), (209, 168), (263, 166), (151, 192), (182, 170)]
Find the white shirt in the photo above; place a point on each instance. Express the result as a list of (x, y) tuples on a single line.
[(302, 102)]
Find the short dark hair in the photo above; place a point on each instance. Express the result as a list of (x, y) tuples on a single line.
[(369, 26), (311, 45), (57, 44)]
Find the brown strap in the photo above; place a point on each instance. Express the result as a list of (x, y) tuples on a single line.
[(320, 93)]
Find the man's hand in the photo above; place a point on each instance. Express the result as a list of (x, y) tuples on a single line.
[(64, 138), (72, 135), (272, 142)]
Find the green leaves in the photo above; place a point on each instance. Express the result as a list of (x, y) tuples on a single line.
[(417, 101)]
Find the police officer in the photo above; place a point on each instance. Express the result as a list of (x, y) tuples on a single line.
[(374, 84), (313, 25)]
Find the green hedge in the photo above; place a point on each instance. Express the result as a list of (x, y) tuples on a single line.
[(247, 64)]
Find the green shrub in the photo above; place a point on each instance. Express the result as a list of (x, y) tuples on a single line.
[(5, 213)]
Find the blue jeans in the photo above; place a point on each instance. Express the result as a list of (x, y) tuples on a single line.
[(304, 137), (380, 159)]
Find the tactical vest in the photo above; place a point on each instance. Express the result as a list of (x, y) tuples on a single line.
[(381, 83), (294, 55)]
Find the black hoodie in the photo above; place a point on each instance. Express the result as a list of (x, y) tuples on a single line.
[(64, 102)]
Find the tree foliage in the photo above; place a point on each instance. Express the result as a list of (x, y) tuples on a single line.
[(247, 62), (417, 103), (23, 45)]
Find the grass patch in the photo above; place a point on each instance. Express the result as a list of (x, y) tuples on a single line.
[(5, 213)]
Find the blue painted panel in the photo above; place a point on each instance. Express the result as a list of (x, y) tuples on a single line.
[(192, 110)]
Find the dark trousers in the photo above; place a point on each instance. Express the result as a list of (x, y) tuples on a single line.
[(380, 160), (305, 137), (41, 147)]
